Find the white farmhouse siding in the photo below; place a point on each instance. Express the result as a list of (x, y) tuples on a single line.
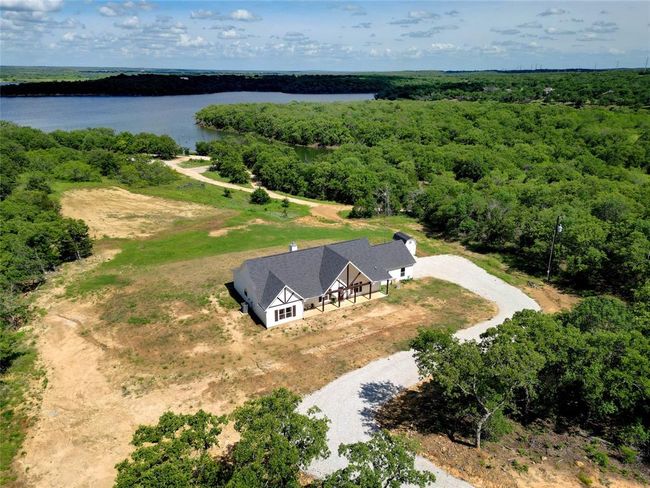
[(396, 274), (408, 241), (287, 304), (270, 313)]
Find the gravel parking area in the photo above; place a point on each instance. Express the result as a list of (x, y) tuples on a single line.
[(351, 401)]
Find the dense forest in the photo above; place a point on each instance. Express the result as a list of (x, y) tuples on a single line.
[(588, 367), (34, 237), (614, 87), (496, 176)]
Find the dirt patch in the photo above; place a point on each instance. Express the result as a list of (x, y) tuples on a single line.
[(550, 298), (115, 212), (330, 211), (529, 457), (226, 230)]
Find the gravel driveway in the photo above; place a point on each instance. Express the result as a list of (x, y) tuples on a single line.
[(351, 400)]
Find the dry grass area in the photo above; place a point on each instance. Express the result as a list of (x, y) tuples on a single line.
[(550, 298), (172, 338), (118, 213), (536, 456)]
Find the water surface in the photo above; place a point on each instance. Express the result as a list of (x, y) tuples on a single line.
[(171, 115)]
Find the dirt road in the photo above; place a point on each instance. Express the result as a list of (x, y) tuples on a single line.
[(351, 401), (328, 211)]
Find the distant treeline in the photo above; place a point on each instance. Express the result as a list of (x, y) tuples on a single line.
[(615, 87), (153, 85)]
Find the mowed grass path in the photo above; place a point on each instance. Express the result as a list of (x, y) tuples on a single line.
[(194, 244)]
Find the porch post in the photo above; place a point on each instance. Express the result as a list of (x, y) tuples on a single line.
[(323, 304), (355, 295), (387, 281), (370, 297)]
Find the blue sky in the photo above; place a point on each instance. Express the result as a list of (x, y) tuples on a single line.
[(345, 36)]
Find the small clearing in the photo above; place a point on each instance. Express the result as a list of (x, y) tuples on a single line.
[(118, 213), (172, 339)]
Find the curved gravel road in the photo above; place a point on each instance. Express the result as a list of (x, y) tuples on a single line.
[(351, 400), (327, 210)]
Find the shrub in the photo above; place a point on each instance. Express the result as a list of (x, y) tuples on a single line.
[(584, 479), (519, 467), (260, 197), (628, 454), (596, 455), (76, 171)]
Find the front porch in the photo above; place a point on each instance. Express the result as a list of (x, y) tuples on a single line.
[(346, 302)]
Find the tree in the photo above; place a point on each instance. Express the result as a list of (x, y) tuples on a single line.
[(285, 207), (276, 441), (385, 461), (260, 197), (485, 376), (173, 453)]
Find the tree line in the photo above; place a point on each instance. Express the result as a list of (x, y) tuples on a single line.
[(588, 367), (34, 237), (276, 444), (576, 87), (495, 176)]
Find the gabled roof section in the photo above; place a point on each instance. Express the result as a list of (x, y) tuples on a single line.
[(272, 288), (310, 272), (330, 267), (393, 255)]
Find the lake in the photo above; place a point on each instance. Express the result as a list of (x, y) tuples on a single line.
[(171, 115)]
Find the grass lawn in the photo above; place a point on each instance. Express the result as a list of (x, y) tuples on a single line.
[(194, 163), (213, 175), (192, 244), (15, 410)]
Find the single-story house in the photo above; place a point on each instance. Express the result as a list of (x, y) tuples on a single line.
[(281, 287)]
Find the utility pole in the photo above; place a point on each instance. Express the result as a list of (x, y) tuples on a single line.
[(556, 231)]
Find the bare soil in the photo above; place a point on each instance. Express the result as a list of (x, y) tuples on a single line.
[(550, 298), (536, 456), (118, 213)]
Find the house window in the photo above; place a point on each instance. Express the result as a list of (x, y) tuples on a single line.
[(357, 287), (285, 313), (402, 272)]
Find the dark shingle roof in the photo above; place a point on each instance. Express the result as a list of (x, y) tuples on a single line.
[(401, 236), (310, 272)]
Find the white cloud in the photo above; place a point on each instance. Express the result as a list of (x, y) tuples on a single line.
[(422, 15), (129, 23), (530, 25), (243, 15), (31, 5), (356, 10), (107, 11), (602, 27), (558, 32), (506, 32), (185, 40), (443, 46), (552, 11), (203, 14)]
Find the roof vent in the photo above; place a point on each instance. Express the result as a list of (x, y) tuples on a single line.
[(293, 246)]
